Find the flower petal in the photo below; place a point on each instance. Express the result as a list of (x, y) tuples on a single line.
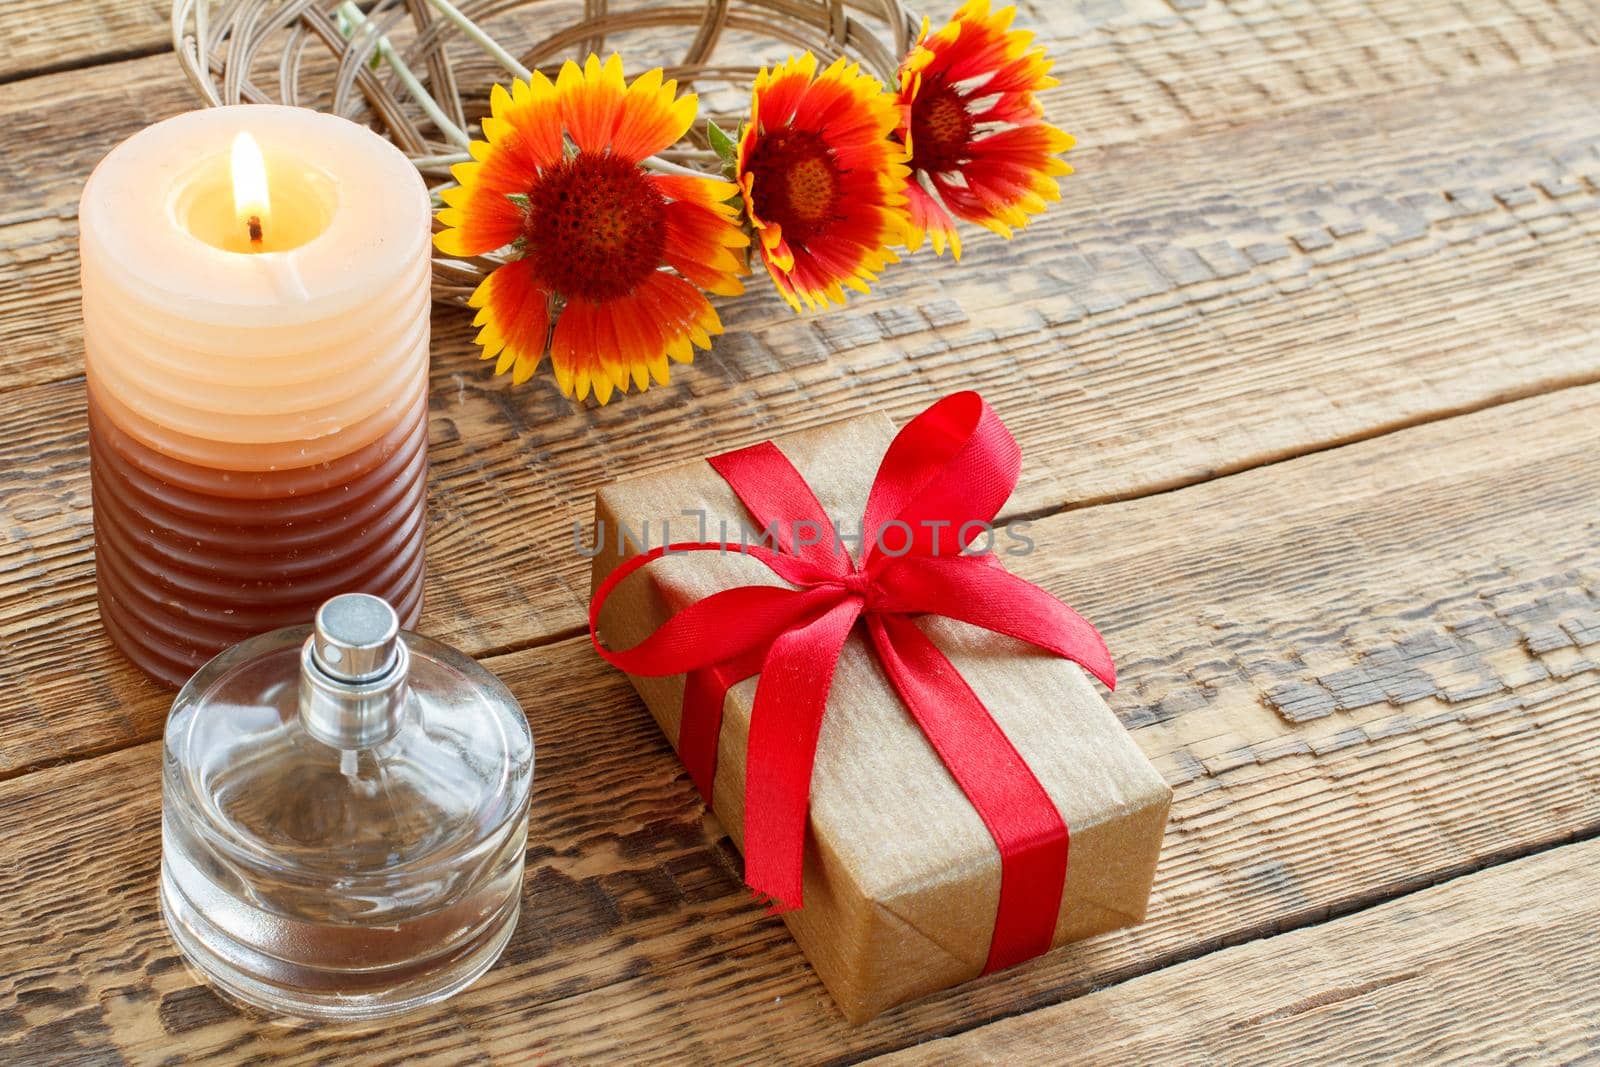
[(532, 112), (700, 247), (928, 217), (591, 101), (572, 354), (651, 118), (513, 311), (710, 192)]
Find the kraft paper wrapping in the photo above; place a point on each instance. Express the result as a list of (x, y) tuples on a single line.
[(901, 877)]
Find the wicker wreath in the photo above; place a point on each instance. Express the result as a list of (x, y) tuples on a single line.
[(420, 70)]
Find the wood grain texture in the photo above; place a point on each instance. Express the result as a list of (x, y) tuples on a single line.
[(42, 174), (1436, 256), (1498, 966), (1133, 71), (1439, 586), (72, 34), (1133, 66)]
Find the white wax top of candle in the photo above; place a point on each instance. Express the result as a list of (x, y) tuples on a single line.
[(378, 225), (229, 358)]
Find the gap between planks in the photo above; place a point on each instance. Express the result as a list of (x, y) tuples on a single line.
[(68, 66), (1272, 459)]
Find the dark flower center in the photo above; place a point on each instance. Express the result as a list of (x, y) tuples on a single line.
[(796, 182), (596, 226), (941, 128)]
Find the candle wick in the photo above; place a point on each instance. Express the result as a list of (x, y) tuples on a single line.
[(255, 231)]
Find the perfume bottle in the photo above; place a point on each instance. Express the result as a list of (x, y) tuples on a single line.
[(344, 817)]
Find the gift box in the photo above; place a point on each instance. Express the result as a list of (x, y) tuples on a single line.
[(931, 799)]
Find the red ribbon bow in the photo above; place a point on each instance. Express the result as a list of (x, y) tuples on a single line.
[(940, 485)]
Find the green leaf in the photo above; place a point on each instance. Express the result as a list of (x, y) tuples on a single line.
[(725, 147)]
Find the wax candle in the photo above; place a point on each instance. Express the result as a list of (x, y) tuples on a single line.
[(255, 308)]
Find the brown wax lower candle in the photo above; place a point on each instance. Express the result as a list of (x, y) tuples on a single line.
[(191, 557)]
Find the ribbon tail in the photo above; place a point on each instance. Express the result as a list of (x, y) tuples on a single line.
[(700, 728), (1026, 826), (784, 726)]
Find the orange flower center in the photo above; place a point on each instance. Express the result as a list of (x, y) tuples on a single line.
[(796, 182), (596, 226), (941, 128)]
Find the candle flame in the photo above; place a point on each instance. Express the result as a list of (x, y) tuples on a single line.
[(250, 200)]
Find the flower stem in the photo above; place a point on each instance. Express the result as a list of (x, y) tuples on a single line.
[(666, 166), (484, 41), (453, 133), (450, 159)]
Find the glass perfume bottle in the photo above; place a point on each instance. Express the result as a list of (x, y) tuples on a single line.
[(344, 817)]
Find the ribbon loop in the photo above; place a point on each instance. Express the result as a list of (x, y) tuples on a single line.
[(949, 469), (769, 487), (945, 476), (699, 635)]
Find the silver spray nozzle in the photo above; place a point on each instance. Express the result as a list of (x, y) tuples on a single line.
[(353, 672)]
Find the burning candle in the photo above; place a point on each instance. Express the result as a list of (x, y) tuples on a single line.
[(250, 197), (255, 306)]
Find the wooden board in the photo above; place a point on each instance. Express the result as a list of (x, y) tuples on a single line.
[(1202, 336), (1297, 227), (1496, 966), (1134, 66), (60, 35), (1363, 670), (1136, 72)]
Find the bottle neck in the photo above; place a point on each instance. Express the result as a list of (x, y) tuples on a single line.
[(350, 715)]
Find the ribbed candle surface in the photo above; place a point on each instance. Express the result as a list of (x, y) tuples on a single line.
[(257, 414)]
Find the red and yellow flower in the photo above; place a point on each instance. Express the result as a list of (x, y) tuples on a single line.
[(823, 183), (979, 148), (611, 254)]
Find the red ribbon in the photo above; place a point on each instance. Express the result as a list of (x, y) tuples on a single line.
[(939, 487)]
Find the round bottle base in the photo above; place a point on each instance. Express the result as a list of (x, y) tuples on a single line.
[(207, 949)]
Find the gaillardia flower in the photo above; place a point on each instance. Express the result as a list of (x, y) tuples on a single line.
[(823, 184), (614, 254), (972, 124)]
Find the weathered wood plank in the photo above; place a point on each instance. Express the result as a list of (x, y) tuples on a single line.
[(42, 170), (1132, 68), (1131, 71), (1140, 64), (1493, 967), (1362, 670), (73, 34), (1164, 338)]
